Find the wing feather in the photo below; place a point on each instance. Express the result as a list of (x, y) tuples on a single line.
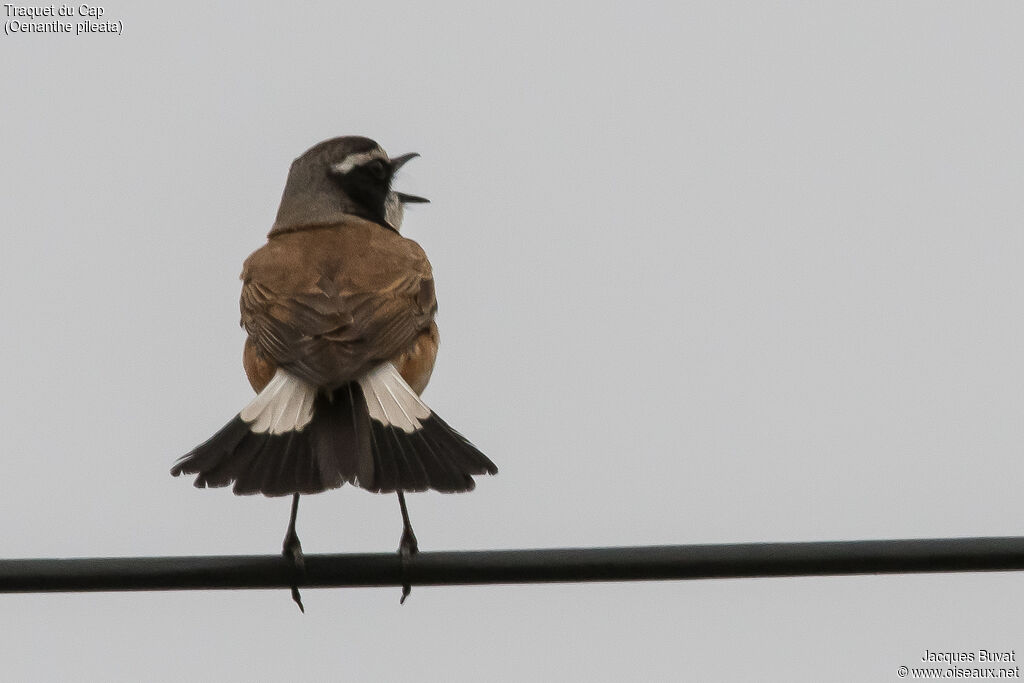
[(329, 303)]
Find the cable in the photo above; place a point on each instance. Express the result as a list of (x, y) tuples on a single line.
[(646, 563)]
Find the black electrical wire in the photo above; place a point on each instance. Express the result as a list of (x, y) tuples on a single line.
[(645, 563)]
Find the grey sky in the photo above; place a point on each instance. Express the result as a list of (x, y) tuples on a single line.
[(707, 272)]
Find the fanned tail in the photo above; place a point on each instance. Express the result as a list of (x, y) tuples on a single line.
[(374, 433)]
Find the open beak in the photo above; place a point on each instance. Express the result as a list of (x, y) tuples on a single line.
[(397, 163)]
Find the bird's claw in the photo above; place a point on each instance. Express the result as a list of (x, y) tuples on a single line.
[(292, 550), (407, 547)]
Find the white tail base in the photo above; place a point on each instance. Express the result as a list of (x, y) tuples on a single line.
[(284, 405), (391, 401)]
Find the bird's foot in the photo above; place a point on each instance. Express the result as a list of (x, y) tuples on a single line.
[(407, 547), (292, 551)]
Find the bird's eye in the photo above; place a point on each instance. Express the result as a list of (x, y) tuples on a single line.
[(377, 169)]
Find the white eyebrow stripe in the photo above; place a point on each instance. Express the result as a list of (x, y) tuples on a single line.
[(358, 159)]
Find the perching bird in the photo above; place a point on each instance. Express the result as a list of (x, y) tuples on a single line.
[(339, 309)]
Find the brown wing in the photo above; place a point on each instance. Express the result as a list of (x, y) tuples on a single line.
[(329, 303)]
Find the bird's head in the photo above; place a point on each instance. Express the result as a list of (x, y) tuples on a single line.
[(350, 175)]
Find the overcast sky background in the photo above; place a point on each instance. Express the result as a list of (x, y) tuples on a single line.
[(707, 272)]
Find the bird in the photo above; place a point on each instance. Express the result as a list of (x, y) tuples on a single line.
[(339, 309)]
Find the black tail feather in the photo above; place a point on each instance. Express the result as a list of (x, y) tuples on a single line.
[(464, 455), (341, 444), (249, 478), (444, 476), (398, 465), (230, 469), (210, 454)]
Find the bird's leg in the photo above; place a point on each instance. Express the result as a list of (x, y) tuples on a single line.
[(292, 550), (407, 547)]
